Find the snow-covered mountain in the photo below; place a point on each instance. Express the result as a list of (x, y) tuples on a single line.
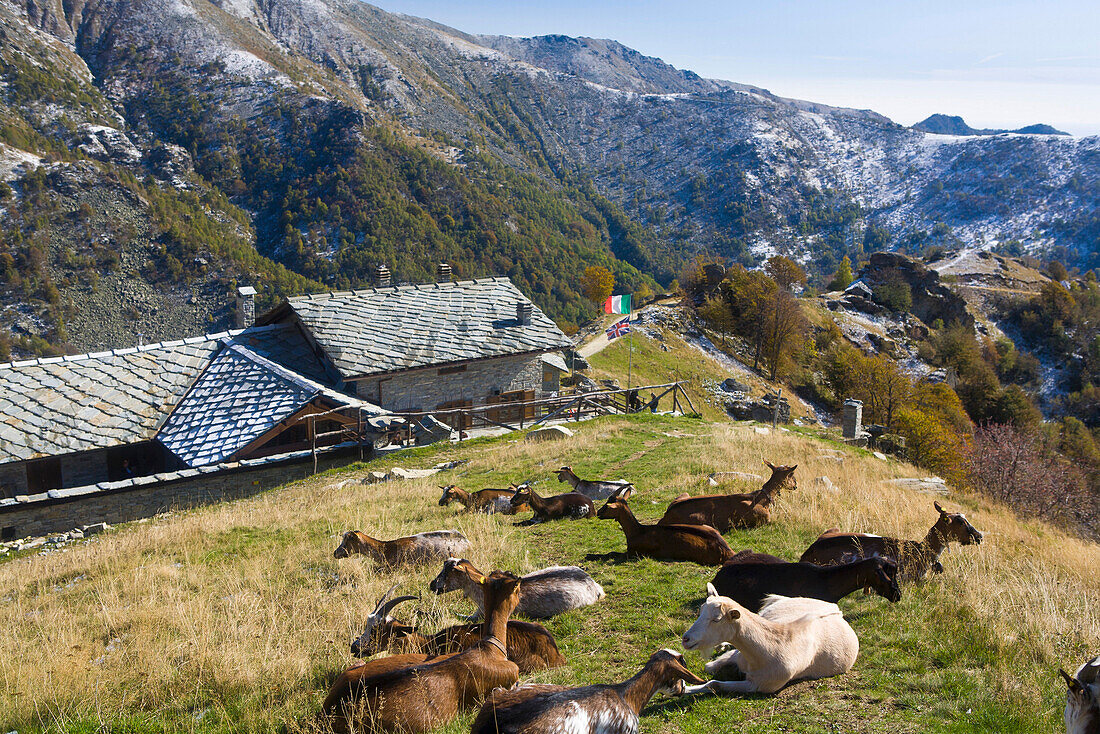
[(273, 100)]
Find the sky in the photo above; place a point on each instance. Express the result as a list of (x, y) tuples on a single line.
[(997, 64)]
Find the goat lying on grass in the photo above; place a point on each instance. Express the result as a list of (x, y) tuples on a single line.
[(699, 543), (726, 511), (914, 558), (1083, 699), (430, 694), (484, 500), (749, 584), (546, 592), (571, 505), (790, 639), (598, 709), (597, 489), (530, 646), (420, 548)]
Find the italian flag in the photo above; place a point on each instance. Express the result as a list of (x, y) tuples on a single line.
[(617, 304)]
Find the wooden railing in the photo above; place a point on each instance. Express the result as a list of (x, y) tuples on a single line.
[(573, 406), (529, 413)]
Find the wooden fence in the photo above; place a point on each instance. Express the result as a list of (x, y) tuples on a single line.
[(513, 416)]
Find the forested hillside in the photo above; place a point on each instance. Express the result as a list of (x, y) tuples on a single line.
[(157, 152)]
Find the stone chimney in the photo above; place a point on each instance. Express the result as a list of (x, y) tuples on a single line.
[(852, 420), (443, 272), (382, 278), (524, 309), (246, 307)]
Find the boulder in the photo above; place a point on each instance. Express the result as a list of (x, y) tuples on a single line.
[(879, 455), (731, 384), (727, 476), (549, 433), (826, 485), (761, 430), (95, 528)]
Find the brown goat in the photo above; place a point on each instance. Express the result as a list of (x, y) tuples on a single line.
[(914, 557), (432, 693), (699, 543), (421, 548), (726, 511), (597, 709), (483, 500), (530, 646), (572, 505)]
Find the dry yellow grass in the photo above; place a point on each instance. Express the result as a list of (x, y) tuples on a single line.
[(240, 613)]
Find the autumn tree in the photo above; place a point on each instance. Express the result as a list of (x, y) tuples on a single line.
[(785, 329), (597, 283), (785, 272), (843, 277)]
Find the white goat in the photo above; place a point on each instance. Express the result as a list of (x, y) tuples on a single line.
[(790, 639), (1083, 699)]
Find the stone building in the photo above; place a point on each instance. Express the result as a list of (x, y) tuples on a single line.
[(79, 427), (433, 346)]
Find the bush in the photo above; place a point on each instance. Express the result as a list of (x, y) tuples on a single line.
[(932, 444), (1017, 467)]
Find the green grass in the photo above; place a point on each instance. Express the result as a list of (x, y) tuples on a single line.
[(275, 611)]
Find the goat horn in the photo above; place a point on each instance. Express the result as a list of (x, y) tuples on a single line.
[(382, 601), (393, 603)]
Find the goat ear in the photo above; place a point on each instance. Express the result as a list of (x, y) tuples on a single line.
[(1071, 683), (769, 464), (733, 614), (942, 511), (711, 591)]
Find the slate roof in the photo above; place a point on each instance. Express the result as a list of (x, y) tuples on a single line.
[(381, 330), (60, 405), (239, 397)]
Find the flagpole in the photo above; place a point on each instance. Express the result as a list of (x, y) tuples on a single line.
[(630, 355)]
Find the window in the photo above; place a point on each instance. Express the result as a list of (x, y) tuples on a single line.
[(43, 474), (455, 369), (7, 534)]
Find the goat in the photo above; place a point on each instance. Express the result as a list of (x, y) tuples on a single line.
[(726, 511), (546, 593), (1083, 699), (749, 584), (914, 558), (699, 543), (530, 646), (420, 548), (598, 709), (430, 694), (572, 505), (593, 489), (750, 556), (484, 500), (790, 639)]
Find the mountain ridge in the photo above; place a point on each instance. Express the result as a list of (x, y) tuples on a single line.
[(346, 136), (954, 125)]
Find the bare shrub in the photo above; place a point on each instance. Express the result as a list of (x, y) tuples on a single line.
[(1018, 468)]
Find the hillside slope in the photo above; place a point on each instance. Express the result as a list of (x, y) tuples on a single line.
[(348, 137), (235, 617)]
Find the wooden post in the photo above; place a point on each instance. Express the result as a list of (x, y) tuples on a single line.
[(313, 440), (775, 413), (359, 431), (675, 402), (688, 399)]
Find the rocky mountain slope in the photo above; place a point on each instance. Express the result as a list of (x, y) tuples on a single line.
[(299, 144)]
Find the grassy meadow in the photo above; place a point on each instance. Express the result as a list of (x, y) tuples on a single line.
[(235, 617)]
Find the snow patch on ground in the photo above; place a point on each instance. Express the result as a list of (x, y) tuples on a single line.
[(15, 162)]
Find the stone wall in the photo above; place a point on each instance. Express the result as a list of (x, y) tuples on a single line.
[(428, 389), (42, 517)]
